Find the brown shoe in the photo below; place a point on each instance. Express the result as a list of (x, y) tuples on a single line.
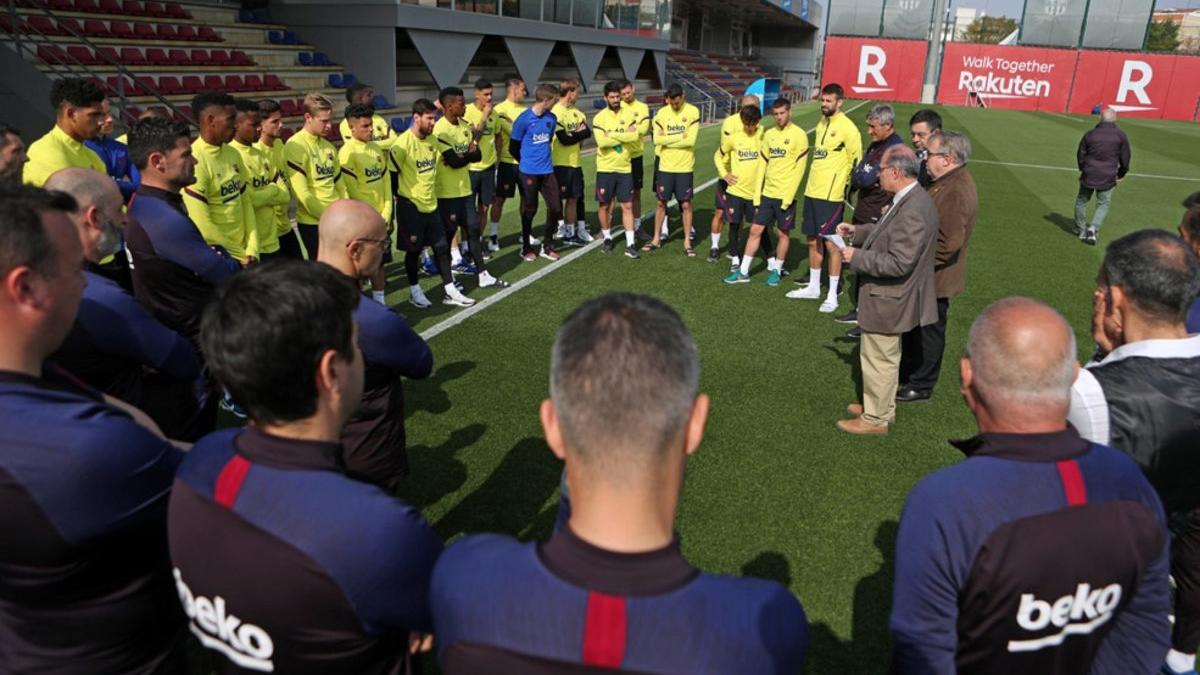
[(855, 409), (860, 426)]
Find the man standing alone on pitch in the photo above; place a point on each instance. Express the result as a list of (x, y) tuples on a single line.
[(837, 147), (1103, 162), (531, 143)]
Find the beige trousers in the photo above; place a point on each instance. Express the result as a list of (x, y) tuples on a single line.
[(880, 358)]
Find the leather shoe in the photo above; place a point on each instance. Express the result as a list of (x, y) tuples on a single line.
[(855, 409), (861, 427), (848, 317), (910, 395), (854, 333)]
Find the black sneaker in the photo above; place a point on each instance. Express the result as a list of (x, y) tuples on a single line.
[(609, 245), (848, 317), (784, 273), (714, 255), (854, 333), (642, 235), (632, 252)]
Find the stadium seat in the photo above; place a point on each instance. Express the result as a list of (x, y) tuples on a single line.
[(95, 28), (200, 57), (144, 31), (82, 55), (176, 11), (142, 85), (110, 7), (187, 33), (333, 135), (207, 34), (9, 26), (183, 113), (180, 57), (253, 83), (108, 55), (288, 108), (61, 5), (285, 133), (168, 85), (132, 112), (240, 58), (335, 81), (214, 83), (275, 37), (165, 31), (132, 56), (120, 30), (399, 125), (235, 83), (349, 80), (133, 7), (273, 83), (70, 27), (44, 25), (380, 102), (87, 6), (306, 58), (156, 10), (321, 59), (290, 38), (192, 84), (157, 56), (218, 57)]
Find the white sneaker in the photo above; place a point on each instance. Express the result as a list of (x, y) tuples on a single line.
[(486, 280), (561, 233), (583, 235), (534, 241), (809, 292), (493, 244), (417, 298), (456, 297), (830, 305)]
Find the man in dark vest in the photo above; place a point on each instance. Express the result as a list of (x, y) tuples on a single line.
[(1142, 396)]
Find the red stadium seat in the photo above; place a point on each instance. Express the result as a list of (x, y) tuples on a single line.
[(235, 83), (120, 29), (131, 88), (183, 113), (239, 58), (133, 7), (273, 83), (9, 26), (111, 7), (52, 54), (165, 31), (180, 57), (82, 55), (144, 31), (168, 84), (61, 5), (288, 108), (214, 83), (70, 27), (155, 9), (87, 6), (253, 83), (157, 56), (132, 112), (209, 35), (186, 33), (200, 57), (44, 25), (108, 55), (192, 84), (132, 56), (175, 11), (285, 133), (218, 57), (144, 84), (95, 28)]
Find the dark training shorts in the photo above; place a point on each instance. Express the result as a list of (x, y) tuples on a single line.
[(738, 209), (457, 212), (483, 185), (570, 181), (506, 180), (610, 185), (678, 185), (771, 213), (638, 173), (821, 217), (417, 230)]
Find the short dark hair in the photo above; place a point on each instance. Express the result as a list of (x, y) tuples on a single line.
[(268, 107), (1158, 272), (6, 131), (423, 106), (353, 90), (930, 117), (449, 92), (483, 83), (612, 87), (633, 352), (154, 134), (1191, 200), (245, 105), (358, 110), (673, 91), (1191, 223), (267, 328), (210, 99), (545, 92), (782, 103), (511, 81), (624, 83), (834, 89), (23, 240), (76, 91), (750, 114)]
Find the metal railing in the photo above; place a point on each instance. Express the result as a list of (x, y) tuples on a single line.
[(27, 38)]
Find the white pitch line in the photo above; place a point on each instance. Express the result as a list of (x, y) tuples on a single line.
[(459, 317), (1067, 117), (1076, 170)]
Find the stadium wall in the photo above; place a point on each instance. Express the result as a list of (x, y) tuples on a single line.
[(1135, 84)]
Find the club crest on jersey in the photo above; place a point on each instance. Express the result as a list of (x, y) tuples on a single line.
[(246, 644)]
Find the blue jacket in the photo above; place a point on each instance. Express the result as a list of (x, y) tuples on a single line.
[(117, 164)]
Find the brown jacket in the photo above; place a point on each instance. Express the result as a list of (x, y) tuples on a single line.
[(895, 266), (956, 200)]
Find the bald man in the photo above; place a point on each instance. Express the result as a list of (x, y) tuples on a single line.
[(1041, 552), (353, 240), (115, 345)]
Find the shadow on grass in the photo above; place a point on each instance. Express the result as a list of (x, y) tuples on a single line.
[(437, 472), (429, 395), (1064, 223), (869, 648), (512, 497)]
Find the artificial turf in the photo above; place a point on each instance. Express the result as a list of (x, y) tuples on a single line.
[(775, 490)]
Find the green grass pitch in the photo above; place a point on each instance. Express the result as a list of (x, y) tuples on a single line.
[(775, 490)]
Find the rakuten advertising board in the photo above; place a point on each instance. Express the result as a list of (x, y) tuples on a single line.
[(1137, 84), (885, 70), (1015, 78)]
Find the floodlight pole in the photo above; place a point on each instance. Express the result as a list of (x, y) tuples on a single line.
[(933, 59)]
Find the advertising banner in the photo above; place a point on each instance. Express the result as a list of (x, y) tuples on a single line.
[(885, 70), (1013, 78), (1161, 86)]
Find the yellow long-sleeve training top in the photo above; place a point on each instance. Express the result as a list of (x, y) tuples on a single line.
[(452, 182), (416, 160), (487, 140), (740, 154), (785, 151), (641, 117), (614, 145), (314, 175), (277, 164), (507, 112), (568, 120), (837, 148), (219, 202), (675, 138), (381, 131), (365, 169), (55, 151), (267, 193)]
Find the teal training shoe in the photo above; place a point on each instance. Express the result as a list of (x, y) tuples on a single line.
[(773, 278), (737, 278)]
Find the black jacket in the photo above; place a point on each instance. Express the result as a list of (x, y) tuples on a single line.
[(1103, 156)]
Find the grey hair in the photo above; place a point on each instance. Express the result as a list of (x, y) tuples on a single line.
[(952, 143), (882, 114), (902, 158), (624, 374), (1108, 115), (1006, 373)]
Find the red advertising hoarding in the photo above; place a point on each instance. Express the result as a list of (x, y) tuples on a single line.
[(885, 70), (1137, 84), (1014, 78)]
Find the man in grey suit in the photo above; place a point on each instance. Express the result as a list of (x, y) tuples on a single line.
[(894, 262)]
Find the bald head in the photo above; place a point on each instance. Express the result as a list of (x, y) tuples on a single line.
[(1108, 115), (1022, 357), (352, 233), (88, 187), (100, 218)]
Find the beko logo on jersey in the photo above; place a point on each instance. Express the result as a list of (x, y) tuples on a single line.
[(777, 153), (424, 165), (673, 129), (1079, 613), (325, 170), (231, 187), (747, 155), (375, 172), (245, 644), (540, 138)]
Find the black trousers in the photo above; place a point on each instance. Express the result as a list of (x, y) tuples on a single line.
[(289, 246), (1185, 567), (921, 351), (531, 186), (308, 235)]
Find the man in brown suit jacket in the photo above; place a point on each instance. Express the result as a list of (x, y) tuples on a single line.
[(953, 193), (894, 261)]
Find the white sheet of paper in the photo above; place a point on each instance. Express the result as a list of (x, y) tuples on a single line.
[(837, 240)]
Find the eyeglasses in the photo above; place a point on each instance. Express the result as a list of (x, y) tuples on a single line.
[(384, 243)]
